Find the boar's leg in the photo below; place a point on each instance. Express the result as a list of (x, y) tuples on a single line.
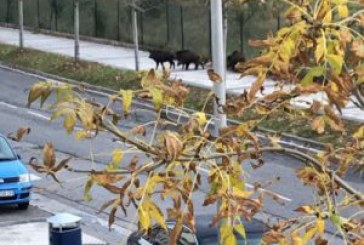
[(172, 64), (187, 65)]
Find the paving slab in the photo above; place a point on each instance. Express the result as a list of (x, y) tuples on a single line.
[(35, 233)]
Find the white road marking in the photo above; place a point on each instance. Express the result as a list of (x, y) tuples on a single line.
[(250, 186), (8, 105), (34, 177), (39, 115)]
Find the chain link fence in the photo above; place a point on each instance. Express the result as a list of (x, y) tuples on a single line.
[(169, 25)]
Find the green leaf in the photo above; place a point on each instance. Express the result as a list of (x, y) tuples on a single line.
[(87, 195), (157, 96), (227, 235), (117, 156), (127, 99), (70, 121), (241, 230), (314, 72), (336, 62)]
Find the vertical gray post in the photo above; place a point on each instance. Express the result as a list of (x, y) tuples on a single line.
[(218, 62), (135, 37), (21, 24), (77, 29)]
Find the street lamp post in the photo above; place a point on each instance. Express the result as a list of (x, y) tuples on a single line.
[(218, 62)]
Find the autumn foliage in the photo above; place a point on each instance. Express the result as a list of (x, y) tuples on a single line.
[(319, 51)]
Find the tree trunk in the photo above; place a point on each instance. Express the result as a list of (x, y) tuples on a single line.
[(21, 24), (77, 29), (135, 37)]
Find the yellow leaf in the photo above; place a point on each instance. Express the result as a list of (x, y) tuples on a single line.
[(156, 214), (359, 134), (314, 72), (117, 156), (157, 96), (227, 235), (241, 193), (201, 118), (343, 10), (296, 240), (82, 135), (69, 121), (241, 230), (305, 209), (320, 49), (309, 235), (36, 91), (336, 62), (144, 218), (320, 225), (328, 17), (127, 99), (87, 192)]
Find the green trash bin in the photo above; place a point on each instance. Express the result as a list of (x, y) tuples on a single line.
[(65, 229)]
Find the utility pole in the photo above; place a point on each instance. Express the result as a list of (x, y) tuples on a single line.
[(218, 62), (21, 24), (77, 29), (135, 35)]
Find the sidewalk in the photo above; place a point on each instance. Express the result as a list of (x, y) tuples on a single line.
[(35, 233), (123, 58)]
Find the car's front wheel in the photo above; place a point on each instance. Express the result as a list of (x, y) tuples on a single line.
[(23, 206)]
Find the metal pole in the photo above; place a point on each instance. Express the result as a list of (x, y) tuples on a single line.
[(218, 62), (182, 28), (21, 24), (135, 37), (77, 29)]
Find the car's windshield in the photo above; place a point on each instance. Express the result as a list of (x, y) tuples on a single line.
[(6, 153)]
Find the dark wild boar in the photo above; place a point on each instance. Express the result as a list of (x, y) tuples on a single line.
[(160, 57), (187, 57), (233, 59)]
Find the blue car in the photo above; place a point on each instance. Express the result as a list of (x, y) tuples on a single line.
[(15, 185)]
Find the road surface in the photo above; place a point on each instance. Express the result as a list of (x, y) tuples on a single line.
[(14, 114)]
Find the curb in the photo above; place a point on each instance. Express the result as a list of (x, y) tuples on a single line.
[(287, 140)]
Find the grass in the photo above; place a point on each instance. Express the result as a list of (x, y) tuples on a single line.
[(106, 76)]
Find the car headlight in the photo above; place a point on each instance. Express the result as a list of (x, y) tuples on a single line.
[(24, 178)]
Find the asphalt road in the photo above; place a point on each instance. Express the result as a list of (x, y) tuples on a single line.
[(14, 113)]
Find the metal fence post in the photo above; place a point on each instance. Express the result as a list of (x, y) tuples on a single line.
[(77, 29), (242, 23), (182, 28), (118, 17), (95, 17), (21, 24), (135, 37)]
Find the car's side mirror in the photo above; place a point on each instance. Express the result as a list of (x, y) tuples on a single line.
[(18, 156)]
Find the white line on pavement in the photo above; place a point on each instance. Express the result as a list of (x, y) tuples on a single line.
[(250, 186), (34, 177), (8, 105), (39, 115)]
